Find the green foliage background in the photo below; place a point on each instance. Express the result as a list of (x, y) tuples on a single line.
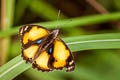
[(93, 39)]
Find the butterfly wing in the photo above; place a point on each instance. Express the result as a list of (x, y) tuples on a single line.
[(62, 56), (31, 37), (30, 33), (41, 62)]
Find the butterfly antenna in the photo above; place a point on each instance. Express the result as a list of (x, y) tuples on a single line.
[(57, 18)]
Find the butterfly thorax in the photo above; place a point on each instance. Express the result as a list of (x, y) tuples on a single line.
[(50, 38)]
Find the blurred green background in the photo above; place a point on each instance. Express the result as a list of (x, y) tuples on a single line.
[(94, 61)]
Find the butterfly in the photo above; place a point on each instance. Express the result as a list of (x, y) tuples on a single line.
[(44, 49)]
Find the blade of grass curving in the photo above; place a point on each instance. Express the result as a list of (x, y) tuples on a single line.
[(86, 42), (67, 23), (13, 68), (100, 41)]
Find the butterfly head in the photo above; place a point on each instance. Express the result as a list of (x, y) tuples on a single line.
[(55, 32)]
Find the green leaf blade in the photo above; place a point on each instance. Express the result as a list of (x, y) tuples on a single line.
[(100, 41)]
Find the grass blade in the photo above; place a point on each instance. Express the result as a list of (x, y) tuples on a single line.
[(67, 23), (101, 41)]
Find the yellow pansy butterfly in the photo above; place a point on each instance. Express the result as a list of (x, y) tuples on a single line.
[(44, 49)]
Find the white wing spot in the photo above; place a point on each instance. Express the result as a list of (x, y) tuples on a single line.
[(26, 28), (69, 68), (70, 63), (21, 31)]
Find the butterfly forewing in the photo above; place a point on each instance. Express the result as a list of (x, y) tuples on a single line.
[(32, 33), (62, 56)]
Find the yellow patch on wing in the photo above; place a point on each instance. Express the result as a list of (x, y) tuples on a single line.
[(34, 34), (60, 54), (42, 60), (25, 38), (31, 51)]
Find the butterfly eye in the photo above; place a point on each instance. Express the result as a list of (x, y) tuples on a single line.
[(50, 51), (39, 41)]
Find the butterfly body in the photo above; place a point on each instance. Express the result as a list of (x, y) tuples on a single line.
[(44, 49)]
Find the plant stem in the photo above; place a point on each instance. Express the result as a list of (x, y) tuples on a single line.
[(6, 23), (3, 42)]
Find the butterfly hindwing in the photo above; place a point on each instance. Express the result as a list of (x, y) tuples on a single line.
[(41, 62), (31, 37), (62, 56), (29, 53)]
